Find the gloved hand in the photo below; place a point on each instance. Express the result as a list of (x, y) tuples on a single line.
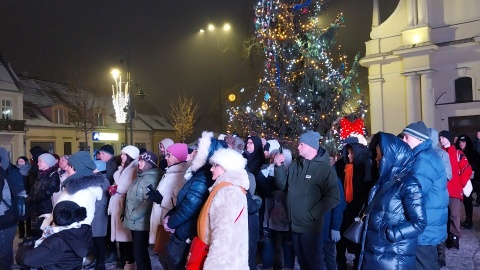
[(335, 235), (155, 196)]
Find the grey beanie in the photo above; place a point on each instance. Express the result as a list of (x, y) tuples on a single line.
[(310, 138), (4, 159), (418, 130), (82, 163), (49, 159)]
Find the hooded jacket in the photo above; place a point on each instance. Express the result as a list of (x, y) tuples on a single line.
[(390, 237), (227, 224), (461, 172), (429, 170), (63, 250), (256, 159), (443, 155), (312, 190)]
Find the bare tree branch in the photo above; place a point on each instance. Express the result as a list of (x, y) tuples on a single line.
[(183, 115)]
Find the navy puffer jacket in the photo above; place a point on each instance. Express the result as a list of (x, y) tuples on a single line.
[(398, 218), (190, 199)]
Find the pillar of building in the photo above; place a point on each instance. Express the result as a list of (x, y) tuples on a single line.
[(428, 104), (376, 14), (412, 98), (376, 99)]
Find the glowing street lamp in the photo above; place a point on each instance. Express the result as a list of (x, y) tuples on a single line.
[(120, 97)]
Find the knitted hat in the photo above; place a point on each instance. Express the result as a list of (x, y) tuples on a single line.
[(150, 158), (239, 145), (166, 142), (418, 130), (179, 150), (229, 159), (67, 212), (107, 148), (310, 138), (49, 159), (274, 145), (131, 150), (447, 135), (82, 164)]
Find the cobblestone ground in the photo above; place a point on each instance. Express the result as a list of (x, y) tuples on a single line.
[(467, 258)]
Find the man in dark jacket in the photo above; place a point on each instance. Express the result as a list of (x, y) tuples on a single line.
[(181, 221), (312, 190), (429, 170), (107, 156)]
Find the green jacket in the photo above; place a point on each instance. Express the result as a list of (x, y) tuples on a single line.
[(312, 190), (137, 208)]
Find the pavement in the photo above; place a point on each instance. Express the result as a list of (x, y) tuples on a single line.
[(467, 258)]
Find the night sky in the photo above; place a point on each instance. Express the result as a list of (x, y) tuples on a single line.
[(49, 39)]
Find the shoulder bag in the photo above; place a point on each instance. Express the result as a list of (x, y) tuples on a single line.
[(355, 231)]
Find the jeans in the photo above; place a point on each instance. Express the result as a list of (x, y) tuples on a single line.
[(268, 253), (6, 247), (329, 250), (426, 258)]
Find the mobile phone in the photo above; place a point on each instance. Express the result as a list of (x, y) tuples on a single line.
[(280, 150), (150, 188)]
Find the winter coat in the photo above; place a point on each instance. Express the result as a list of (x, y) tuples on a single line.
[(124, 178), (391, 229), (63, 177), (459, 178), (312, 190), (227, 224), (6, 220), (111, 168), (183, 217), (100, 219), (63, 250), (169, 186), (256, 159), (443, 155), (138, 209), (333, 219), (476, 145), (428, 169), (472, 156), (40, 197)]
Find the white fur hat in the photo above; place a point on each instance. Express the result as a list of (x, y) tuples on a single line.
[(274, 145), (229, 159), (132, 151)]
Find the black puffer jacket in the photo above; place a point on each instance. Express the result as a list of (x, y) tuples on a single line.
[(63, 250), (40, 196), (398, 218), (190, 199)]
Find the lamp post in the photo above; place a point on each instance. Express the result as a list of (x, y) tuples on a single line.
[(226, 28), (121, 100)]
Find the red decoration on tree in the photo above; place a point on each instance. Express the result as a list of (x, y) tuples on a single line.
[(347, 127)]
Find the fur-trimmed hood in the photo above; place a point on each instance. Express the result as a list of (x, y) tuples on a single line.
[(72, 186), (237, 178), (207, 145)]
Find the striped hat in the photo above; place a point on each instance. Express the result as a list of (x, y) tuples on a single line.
[(418, 130)]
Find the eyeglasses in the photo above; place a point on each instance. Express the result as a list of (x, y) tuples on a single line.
[(168, 154)]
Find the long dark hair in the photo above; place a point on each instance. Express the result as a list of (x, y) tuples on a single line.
[(128, 161)]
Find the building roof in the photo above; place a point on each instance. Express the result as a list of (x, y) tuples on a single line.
[(8, 80), (39, 94)]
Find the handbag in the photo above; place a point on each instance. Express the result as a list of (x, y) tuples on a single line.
[(355, 231), (197, 255), (468, 188), (161, 240)]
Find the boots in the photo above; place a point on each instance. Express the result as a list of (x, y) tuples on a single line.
[(441, 254), (130, 266), (453, 241), (467, 224)]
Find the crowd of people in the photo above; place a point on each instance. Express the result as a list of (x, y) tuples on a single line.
[(225, 202)]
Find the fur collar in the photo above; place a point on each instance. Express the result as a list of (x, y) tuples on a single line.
[(72, 186), (202, 151), (237, 178)]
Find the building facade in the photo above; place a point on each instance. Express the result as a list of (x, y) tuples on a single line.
[(424, 64)]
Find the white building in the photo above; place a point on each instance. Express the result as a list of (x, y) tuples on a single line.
[(424, 64)]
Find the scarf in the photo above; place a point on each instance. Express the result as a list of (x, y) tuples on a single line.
[(24, 169), (51, 230), (48, 171), (348, 183)]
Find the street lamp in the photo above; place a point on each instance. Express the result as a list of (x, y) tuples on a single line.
[(121, 100), (226, 28)]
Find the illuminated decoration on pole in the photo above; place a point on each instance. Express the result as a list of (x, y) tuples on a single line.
[(307, 82), (232, 97), (120, 97)]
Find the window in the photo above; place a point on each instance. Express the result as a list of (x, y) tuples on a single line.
[(47, 146), (100, 119), (463, 90), (60, 116), (6, 109), (141, 145)]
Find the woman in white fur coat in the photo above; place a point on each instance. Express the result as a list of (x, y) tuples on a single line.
[(227, 223), (169, 186), (124, 177)]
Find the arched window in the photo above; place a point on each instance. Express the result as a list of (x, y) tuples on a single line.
[(463, 90)]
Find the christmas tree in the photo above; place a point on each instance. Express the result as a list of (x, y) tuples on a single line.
[(307, 83)]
